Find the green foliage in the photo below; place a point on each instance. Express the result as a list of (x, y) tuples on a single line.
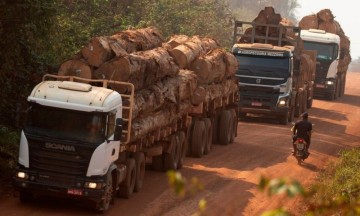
[(181, 188), (9, 142), (338, 188)]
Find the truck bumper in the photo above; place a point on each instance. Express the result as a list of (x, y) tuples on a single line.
[(277, 111), (322, 90), (27, 185)]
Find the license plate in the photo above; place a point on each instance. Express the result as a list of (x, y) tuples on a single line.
[(256, 104), (320, 85), (76, 192), (300, 146)]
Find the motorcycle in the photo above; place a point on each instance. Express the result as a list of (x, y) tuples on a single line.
[(300, 150)]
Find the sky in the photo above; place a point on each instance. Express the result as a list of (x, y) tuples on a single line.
[(346, 13)]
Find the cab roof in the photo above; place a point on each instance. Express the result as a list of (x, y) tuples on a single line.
[(75, 95), (321, 36)]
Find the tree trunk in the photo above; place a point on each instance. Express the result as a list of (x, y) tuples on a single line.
[(97, 51), (309, 22), (141, 68), (174, 90), (75, 67), (218, 90), (170, 113), (138, 40), (210, 67)]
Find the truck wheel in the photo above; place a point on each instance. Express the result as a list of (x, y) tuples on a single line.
[(225, 126), (183, 146), (104, 204), (340, 86), (284, 119), (139, 158), (309, 103), (209, 132), (291, 114), (304, 104), (198, 139), (171, 159), (298, 106), (215, 129), (337, 90), (234, 121), (26, 197), (126, 188)]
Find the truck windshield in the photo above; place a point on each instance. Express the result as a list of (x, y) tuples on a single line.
[(327, 52), (263, 66), (50, 122)]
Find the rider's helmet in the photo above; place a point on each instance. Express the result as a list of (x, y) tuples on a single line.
[(305, 115)]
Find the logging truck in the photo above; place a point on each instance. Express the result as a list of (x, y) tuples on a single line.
[(322, 33), (79, 139), (271, 81)]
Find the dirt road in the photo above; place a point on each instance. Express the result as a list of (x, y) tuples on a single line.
[(230, 174)]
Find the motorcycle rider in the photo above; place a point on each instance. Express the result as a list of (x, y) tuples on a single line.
[(302, 129)]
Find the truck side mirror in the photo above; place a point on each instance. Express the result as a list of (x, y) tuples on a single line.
[(118, 129)]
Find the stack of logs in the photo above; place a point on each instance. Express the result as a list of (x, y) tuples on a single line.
[(170, 77), (269, 17), (324, 20)]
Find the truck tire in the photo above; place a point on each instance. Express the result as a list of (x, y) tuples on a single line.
[(215, 129), (183, 145), (304, 103), (309, 103), (126, 188), (26, 197), (209, 132), (291, 114), (198, 139), (104, 204), (234, 121), (225, 127), (140, 164), (284, 118), (298, 106), (171, 159), (340, 86)]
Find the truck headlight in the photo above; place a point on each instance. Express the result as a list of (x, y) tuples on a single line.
[(329, 83), (93, 185), (282, 102), (22, 175)]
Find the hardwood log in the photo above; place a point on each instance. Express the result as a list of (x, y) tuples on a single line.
[(329, 26), (210, 67), (325, 15), (140, 68), (161, 118), (173, 89), (139, 39), (177, 40), (124, 68), (97, 51), (309, 22), (227, 87), (185, 53), (75, 67)]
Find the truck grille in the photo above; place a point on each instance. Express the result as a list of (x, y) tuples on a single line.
[(321, 71), (58, 165)]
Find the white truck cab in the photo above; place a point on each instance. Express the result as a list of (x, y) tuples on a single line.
[(327, 45), (71, 141)]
